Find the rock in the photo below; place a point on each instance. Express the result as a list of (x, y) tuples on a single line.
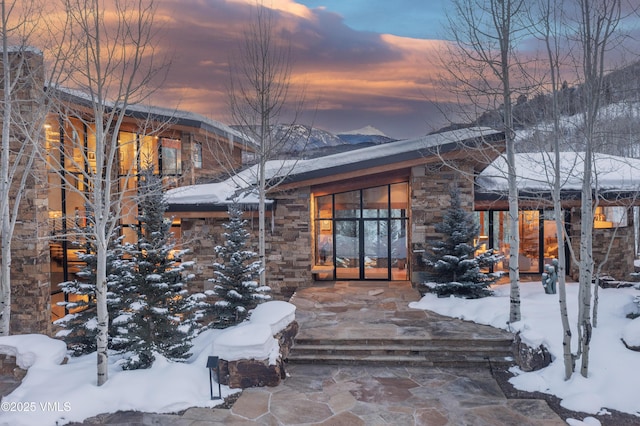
[(528, 358), (247, 373), (631, 334)]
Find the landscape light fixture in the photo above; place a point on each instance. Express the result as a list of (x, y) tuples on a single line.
[(213, 362)]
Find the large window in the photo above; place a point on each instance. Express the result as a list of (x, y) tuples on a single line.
[(362, 234), (72, 155), (538, 238), (610, 217)]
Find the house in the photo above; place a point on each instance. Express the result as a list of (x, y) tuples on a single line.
[(363, 215), (618, 191), (185, 148), (368, 214), (360, 215)]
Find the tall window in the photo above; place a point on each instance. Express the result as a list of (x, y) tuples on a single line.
[(171, 156), (72, 153), (197, 155), (362, 234)]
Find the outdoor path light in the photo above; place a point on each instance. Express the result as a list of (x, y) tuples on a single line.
[(212, 362)]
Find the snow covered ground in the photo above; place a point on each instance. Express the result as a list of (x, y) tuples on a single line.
[(613, 369), (52, 394), (64, 393)]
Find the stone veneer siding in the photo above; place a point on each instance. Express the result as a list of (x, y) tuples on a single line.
[(30, 286), (620, 262), (429, 200), (288, 244)]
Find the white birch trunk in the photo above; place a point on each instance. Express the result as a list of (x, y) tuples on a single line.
[(548, 31), (586, 265), (102, 339), (5, 186), (505, 32), (262, 233)]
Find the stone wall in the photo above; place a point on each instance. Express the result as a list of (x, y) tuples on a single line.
[(621, 255), (249, 373), (429, 199), (288, 244), (30, 286)]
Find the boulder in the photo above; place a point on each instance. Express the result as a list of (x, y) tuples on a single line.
[(248, 373), (253, 354), (529, 358)]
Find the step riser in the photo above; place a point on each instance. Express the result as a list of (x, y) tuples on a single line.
[(464, 344), (413, 362), (346, 352)]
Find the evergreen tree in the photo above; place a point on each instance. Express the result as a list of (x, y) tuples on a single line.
[(154, 318), (236, 288), (80, 325), (451, 261)]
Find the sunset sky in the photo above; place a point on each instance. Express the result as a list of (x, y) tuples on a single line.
[(362, 62)]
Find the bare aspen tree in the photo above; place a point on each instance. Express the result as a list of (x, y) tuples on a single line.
[(545, 26), (259, 95), (484, 64), (596, 26), (111, 66)]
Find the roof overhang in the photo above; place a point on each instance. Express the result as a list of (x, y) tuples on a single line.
[(479, 150)]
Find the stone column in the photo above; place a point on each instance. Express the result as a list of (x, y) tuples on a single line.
[(30, 281)]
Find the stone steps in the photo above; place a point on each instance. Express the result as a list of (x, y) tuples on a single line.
[(403, 351)]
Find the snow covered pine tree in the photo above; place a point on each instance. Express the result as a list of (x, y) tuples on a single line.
[(154, 319), (80, 324), (451, 261), (235, 285)]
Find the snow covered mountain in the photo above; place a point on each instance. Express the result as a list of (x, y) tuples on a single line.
[(313, 142), (368, 134)]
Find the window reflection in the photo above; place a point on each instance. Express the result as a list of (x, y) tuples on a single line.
[(72, 158), (356, 237)]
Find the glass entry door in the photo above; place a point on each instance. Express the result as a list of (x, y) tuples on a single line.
[(362, 234), (347, 237), (376, 250)]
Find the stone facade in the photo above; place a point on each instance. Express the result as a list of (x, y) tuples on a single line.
[(30, 287), (619, 264), (429, 199), (288, 244)]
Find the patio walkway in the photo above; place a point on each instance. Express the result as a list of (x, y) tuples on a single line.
[(368, 395)]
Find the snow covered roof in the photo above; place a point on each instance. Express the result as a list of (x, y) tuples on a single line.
[(173, 116), (535, 173), (242, 184), (389, 153), (24, 48)]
